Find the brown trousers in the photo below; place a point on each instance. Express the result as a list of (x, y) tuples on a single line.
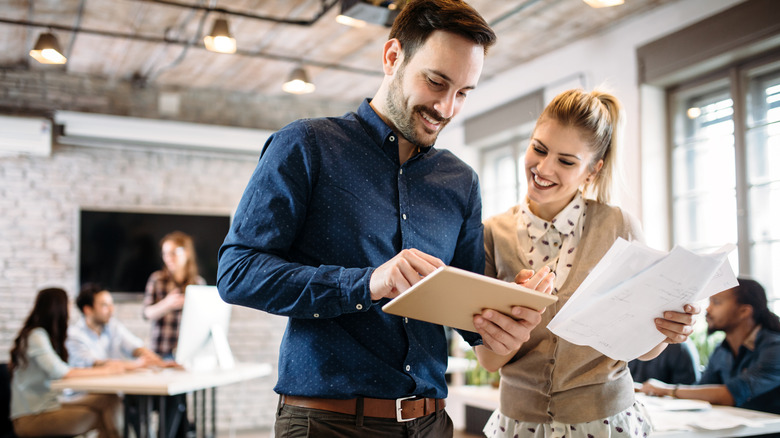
[(297, 422), (75, 417)]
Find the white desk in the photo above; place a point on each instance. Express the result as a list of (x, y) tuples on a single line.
[(160, 383), (483, 397), (712, 422), (678, 424)]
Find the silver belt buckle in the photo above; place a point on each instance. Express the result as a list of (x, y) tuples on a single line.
[(398, 409)]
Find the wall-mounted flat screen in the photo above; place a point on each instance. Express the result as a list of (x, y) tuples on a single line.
[(120, 249)]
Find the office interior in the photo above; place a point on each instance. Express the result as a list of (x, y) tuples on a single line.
[(75, 140)]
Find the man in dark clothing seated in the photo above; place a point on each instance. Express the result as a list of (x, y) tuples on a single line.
[(744, 371), (677, 364)]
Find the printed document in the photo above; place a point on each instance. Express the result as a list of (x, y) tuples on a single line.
[(613, 310)]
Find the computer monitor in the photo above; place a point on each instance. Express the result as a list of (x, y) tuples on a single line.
[(203, 331)]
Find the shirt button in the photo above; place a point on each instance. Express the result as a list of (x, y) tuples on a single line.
[(359, 307), (404, 216), (401, 172), (408, 368), (552, 361), (316, 315), (391, 138), (406, 320)]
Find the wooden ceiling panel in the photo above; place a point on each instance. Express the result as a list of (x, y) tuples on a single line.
[(161, 44)]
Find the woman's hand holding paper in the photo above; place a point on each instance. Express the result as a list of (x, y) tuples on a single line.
[(677, 326)]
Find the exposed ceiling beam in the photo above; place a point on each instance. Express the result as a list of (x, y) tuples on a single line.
[(181, 42)]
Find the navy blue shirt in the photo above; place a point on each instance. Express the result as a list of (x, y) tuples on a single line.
[(753, 376), (677, 364), (329, 202)]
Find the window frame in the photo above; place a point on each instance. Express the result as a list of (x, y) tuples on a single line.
[(738, 76)]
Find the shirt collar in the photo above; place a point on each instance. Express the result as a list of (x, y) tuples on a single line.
[(379, 131), (750, 341), (564, 222), (81, 324)]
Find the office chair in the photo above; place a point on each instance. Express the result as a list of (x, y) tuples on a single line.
[(6, 427)]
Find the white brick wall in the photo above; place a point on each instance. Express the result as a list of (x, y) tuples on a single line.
[(29, 92), (39, 203)]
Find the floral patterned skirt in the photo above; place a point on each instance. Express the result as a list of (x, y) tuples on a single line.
[(633, 422)]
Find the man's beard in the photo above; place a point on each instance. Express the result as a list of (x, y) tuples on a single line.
[(403, 119)]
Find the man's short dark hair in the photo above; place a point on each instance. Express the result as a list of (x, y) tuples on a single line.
[(87, 295), (420, 18)]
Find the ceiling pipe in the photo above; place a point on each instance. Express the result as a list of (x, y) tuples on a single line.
[(514, 11), (163, 40), (326, 6), (152, 74)]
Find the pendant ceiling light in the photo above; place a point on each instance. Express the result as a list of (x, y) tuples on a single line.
[(47, 50), (358, 13), (603, 3), (298, 82), (220, 40)]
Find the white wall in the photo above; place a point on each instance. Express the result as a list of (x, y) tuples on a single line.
[(40, 197), (606, 59)]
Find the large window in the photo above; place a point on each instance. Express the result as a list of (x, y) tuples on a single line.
[(725, 160), (703, 178), (502, 176), (501, 135)]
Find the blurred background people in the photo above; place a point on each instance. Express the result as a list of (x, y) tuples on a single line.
[(39, 356), (678, 364), (744, 371), (163, 303), (97, 337), (164, 296)]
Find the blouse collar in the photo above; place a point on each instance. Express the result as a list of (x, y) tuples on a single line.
[(564, 222)]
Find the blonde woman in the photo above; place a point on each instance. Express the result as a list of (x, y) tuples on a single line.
[(550, 387)]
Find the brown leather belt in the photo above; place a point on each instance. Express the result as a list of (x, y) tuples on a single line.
[(401, 409)]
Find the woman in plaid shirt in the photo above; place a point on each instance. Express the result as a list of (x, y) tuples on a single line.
[(164, 296), (163, 304)]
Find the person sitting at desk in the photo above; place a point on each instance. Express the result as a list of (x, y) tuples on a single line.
[(98, 337), (744, 371), (677, 364), (39, 356)]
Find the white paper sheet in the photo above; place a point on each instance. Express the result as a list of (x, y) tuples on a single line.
[(669, 404), (713, 420), (668, 414), (613, 310)]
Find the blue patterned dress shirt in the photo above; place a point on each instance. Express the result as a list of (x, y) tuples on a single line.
[(329, 202)]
